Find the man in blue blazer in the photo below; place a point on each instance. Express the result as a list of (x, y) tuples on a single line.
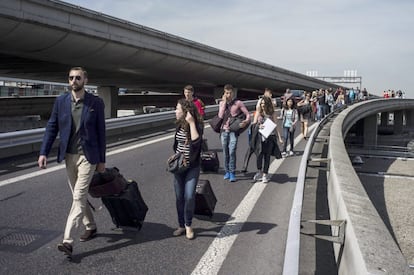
[(78, 117)]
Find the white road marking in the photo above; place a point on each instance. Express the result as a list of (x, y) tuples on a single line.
[(31, 175), (217, 252), (215, 255), (61, 166)]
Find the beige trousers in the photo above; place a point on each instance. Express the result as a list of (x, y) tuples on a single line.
[(80, 173)]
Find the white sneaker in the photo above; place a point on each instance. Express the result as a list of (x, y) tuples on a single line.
[(284, 154), (265, 179), (291, 153), (256, 176), (189, 233)]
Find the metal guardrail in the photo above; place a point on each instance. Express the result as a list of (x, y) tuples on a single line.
[(28, 141), (291, 262), (341, 172)]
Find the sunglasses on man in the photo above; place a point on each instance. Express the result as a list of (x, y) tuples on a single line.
[(77, 77)]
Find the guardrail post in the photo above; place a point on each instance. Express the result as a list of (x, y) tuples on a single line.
[(337, 229), (327, 161)]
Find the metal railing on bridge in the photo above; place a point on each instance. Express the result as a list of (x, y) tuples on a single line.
[(355, 243), (29, 141), (291, 262)]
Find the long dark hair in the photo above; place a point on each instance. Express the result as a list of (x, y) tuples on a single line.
[(293, 104), (268, 107), (188, 106)]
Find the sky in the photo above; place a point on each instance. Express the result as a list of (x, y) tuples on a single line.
[(375, 38)]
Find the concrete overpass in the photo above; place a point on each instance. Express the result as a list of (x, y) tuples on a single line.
[(41, 39)]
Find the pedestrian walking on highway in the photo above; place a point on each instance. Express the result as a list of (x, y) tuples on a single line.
[(230, 108), (78, 117), (264, 146), (330, 101), (305, 110), (289, 116), (188, 139), (267, 93), (189, 95), (340, 100), (288, 94)]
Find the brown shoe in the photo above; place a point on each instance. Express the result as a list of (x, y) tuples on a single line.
[(65, 248), (179, 231), (88, 235)]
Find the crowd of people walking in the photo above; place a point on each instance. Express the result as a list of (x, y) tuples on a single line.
[(78, 118)]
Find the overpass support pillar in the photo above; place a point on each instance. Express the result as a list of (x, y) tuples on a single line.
[(218, 93), (409, 119), (109, 94), (398, 122), (370, 130), (384, 118)]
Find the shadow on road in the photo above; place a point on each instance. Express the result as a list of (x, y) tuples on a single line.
[(156, 232), (149, 232)]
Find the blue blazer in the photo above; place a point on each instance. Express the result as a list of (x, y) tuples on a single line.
[(91, 130)]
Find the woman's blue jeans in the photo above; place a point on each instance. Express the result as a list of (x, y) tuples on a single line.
[(229, 143), (185, 186), (288, 136)]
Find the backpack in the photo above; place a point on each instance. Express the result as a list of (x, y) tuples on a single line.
[(216, 122)]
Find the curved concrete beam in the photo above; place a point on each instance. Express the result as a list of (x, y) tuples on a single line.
[(369, 247)]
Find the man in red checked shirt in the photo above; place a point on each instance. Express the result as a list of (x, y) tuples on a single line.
[(189, 95)]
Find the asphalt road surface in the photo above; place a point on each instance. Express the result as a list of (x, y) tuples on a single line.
[(246, 235)]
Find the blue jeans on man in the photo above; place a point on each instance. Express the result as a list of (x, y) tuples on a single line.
[(229, 143), (185, 187)]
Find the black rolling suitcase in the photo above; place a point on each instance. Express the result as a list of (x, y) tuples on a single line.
[(209, 161), (127, 209), (205, 200)]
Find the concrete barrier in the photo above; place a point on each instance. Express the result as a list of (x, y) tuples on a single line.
[(369, 247), (29, 141)]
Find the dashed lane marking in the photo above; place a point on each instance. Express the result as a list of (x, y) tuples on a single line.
[(61, 166)]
